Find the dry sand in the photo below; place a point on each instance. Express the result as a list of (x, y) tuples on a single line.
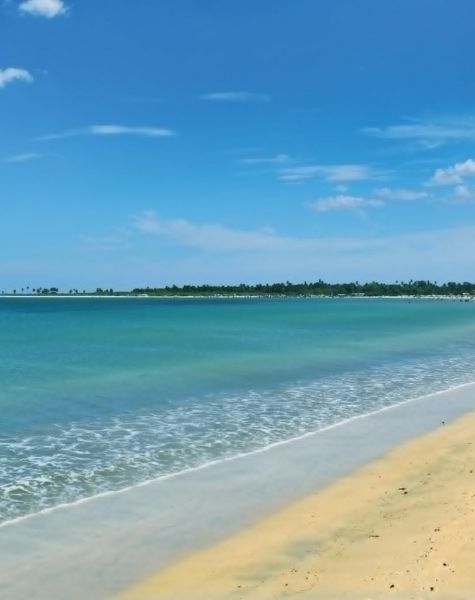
[(402, 527)]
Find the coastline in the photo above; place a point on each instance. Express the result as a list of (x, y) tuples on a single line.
[(228, 459), (401, 526), (107, 544), (118, 296)]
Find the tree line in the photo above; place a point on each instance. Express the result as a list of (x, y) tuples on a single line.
[(317, 288)]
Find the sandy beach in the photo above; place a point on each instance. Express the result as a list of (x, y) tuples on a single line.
[(401, 527), (323, 516)]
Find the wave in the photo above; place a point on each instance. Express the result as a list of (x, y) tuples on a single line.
[(70, 465)]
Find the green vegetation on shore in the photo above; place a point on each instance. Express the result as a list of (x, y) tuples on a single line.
[(317, 288)]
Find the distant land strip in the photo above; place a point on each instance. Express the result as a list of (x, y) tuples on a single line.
[(318, 288)]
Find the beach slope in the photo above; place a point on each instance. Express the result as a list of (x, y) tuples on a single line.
[(401, 527)]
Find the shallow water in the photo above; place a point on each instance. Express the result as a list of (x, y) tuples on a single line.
[(100, 394)]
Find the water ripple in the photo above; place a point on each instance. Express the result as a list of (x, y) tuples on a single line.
[(83, 459)]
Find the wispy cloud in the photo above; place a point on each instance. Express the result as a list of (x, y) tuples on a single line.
[(239, 97), (335, 173), (217, 238), (454, 174), (206, 236), (12, 74), (464, 193), (278, 159), (263, 254), (400, 194), (124, 130), (111, 130), (44, 8), (21, 158), (427, 135), (439, 253), (343, 202), (378, 198)]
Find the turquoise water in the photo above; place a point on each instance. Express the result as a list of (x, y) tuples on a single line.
[(100, 394)]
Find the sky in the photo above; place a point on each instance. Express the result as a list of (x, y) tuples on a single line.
[(165, 142)]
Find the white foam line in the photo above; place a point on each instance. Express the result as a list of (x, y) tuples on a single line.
[(239, 456)]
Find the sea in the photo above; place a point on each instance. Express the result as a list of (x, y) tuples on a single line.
[(103, 394)]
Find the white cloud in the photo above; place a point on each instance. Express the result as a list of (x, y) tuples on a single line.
[(401, 194), (343, 202), (427, 135), (44, 8), (251, 255), (214, 252), (454, 174), (12, 74), (240, 97), (334, 173), (218, 238), (111, 130), (464, 192), (278, 159), (20, 158), (123, 130), (207, 236)]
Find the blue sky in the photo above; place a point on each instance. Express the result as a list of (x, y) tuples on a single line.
[(190, 141)]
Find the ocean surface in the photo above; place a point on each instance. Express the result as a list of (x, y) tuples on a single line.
[(101, 394)]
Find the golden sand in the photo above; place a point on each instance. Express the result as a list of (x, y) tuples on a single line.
[(402, 527)]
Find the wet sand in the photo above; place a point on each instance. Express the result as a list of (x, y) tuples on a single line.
[(327, 498), (401, 527)]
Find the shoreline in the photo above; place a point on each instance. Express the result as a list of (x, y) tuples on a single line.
[(230, 459), (118, 296), (107, 544), (400, 526)]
